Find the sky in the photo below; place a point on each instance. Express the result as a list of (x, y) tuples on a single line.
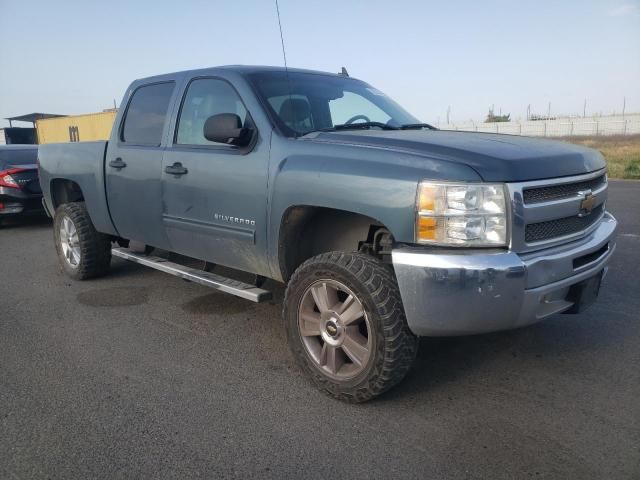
[(461, 57)]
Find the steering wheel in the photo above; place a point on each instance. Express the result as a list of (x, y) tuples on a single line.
[(357, 117)]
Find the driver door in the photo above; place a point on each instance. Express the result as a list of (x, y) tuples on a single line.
[(215, 210)]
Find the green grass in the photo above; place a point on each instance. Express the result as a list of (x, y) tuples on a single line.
[(621, 152)]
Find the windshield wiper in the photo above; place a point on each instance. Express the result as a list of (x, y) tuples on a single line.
[(352, 126), (417, 126)]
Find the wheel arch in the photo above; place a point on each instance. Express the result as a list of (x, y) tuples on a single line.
[(61, 190), (306, 231), (64, 191)]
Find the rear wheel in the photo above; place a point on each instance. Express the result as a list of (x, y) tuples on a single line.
[(83, 252), (346, 325)]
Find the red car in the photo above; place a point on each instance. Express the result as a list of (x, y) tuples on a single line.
[(20, 192)]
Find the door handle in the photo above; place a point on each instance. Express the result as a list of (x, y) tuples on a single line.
[(117, 163), (176, 169)]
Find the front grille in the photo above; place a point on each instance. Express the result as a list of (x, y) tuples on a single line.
[(558, 192), (537, 232)]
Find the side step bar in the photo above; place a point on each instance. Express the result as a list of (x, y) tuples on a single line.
[(208, 279)]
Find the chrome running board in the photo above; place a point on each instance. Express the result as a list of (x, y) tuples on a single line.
[(208, 279)]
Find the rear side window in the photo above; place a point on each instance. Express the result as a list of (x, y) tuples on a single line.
[(146, 114)]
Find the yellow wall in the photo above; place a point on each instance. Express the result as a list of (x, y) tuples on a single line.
[(93, 126)]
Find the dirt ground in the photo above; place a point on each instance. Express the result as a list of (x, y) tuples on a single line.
[(621, 151)]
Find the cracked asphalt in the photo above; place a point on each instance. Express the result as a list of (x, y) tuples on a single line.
[(143, 375)]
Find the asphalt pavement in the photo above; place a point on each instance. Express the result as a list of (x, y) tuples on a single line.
[(143, 375)]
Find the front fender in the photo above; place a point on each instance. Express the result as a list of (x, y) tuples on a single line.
[(340, 178)]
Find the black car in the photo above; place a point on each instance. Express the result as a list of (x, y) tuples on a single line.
[(20, 192)]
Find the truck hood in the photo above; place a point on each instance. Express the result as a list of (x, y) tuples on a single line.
[(496, 158)]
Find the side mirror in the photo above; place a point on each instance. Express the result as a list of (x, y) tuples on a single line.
[(226, 128)]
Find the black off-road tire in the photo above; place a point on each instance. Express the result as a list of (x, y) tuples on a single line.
[(374, 283), (95, 247)]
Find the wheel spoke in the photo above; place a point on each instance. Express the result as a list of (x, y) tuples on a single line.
[(324, 296), (354, 346), (344, 305), (310, 325), (352, 312), (330, 358)]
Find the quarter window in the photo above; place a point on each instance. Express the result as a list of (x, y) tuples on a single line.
[(206, 97), (146, 114)]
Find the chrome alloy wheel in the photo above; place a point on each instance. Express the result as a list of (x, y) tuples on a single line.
[(69, 242), (335, 330)]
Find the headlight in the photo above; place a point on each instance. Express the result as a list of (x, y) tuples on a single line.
[(461, 214)]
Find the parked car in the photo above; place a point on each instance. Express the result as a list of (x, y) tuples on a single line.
[(383, 228), (20, 192)]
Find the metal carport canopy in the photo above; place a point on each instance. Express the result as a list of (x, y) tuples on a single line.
[(32, 117)]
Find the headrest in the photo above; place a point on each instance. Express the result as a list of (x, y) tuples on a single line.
[(294, 110)]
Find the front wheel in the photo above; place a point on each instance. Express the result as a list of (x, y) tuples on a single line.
[(346, 325), (83, 252)]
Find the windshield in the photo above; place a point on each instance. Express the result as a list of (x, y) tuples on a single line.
[(306, 102)]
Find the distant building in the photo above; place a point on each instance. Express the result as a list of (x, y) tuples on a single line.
[(22, 135), (76, 128)]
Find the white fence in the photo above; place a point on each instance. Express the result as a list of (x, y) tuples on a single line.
[(560, 127)]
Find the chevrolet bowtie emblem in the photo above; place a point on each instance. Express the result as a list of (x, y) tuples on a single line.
[(586, 205)]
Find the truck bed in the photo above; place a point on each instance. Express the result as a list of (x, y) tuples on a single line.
[(83, 164)]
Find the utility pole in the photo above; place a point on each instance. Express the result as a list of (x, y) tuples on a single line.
[(448, 114), (584, 109), (549, 111), (624, 105), (528, 112)]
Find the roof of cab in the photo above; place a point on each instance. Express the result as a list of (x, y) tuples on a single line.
[(242, 69)]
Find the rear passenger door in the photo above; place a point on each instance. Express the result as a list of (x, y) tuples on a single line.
[(216, 209), (134, 165)]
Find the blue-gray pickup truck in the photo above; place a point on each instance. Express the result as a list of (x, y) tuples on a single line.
[(383, 228)]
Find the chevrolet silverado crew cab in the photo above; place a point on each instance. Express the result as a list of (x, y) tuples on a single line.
[(383, 228)]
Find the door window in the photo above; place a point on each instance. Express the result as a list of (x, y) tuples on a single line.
[(206, 97), (146, 114)]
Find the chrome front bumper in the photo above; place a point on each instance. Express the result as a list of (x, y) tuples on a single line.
[(461, 292)]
